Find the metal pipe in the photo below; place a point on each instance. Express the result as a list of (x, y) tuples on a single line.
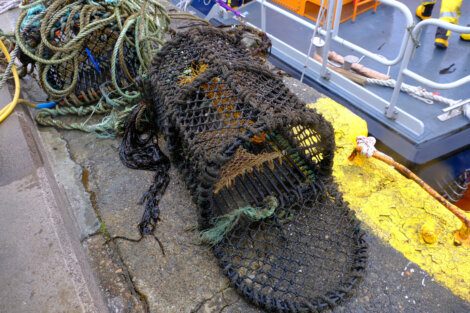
[(416, 33), (309, 52), (374, 56), (437, 22), (312, 40), (432, 84), (390, 110), (379, 58)]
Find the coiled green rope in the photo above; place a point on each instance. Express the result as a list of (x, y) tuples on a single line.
[(117, 109)]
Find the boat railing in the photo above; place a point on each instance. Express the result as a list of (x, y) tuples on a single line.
[(405, 71), (335, 27), (402, 59)]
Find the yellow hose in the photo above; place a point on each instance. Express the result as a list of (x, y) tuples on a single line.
[(4, 112)]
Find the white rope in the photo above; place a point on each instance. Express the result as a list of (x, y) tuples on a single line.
[(367, 145), (414, 91), (6, 5), (466, 110)]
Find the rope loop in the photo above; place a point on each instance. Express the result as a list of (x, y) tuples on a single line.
[(415, 40), (367, 145)]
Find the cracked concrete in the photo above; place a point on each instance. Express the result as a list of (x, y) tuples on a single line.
[(73, 184), (114, 278), (188, 273), (69, 175)]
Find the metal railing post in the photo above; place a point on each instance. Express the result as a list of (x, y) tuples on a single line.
[(339, 9), (390, 110), (329, 22)]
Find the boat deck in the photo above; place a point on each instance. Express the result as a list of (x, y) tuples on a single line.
[(382, 32)]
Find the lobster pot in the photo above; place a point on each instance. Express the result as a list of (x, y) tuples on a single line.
[(85, 72), (189, 54), (94, 67), (244, 143)]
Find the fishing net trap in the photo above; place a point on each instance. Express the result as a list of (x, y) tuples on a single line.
[(87, 55), (259, 168)]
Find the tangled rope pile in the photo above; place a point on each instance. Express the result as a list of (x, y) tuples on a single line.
[(88, 54), (65, 38), (258, 165)]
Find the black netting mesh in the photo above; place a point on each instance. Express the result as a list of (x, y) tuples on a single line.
[(91, 75), (240, 137)]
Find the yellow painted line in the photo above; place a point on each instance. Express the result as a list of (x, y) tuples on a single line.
[(396, 209)]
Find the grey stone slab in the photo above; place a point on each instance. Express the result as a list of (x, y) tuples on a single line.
[(33, 270), (69, 176), (42, 265), (113, 276), (15, 157)]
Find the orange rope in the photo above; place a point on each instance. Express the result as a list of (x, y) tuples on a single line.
[(464, 233)]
